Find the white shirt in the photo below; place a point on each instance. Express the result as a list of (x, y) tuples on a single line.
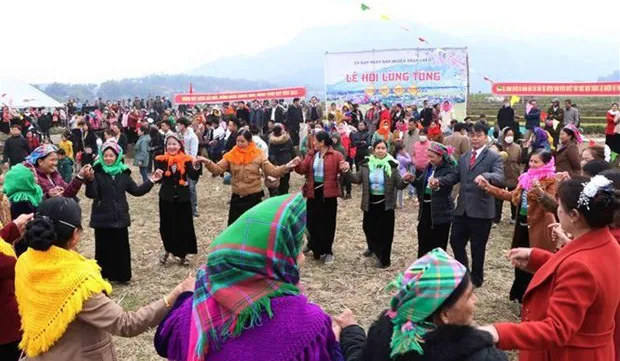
[(260, 144), (478, 151), (191, 142), (273, 114)]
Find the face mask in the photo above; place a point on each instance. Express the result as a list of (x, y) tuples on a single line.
[(509, 140), (506, 105), (423, 138)]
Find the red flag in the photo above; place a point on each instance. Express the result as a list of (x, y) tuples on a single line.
[(191, 89), (487, 79), (422, 40)]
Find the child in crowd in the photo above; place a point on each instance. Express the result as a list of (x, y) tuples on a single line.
[(404, 162), (33, 141), (65, 165)]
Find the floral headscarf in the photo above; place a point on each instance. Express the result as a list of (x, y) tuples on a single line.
[(40, 152), (572, 129)]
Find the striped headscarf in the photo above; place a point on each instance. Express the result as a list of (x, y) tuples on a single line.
[(422, 289), (444, 151), (251, 262)]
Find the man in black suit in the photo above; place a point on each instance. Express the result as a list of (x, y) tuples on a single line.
[(475, 208), (294, 117), (275, 113), (426, 115)]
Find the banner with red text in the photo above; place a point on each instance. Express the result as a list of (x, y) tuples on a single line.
[(406, 76), (265, 94), (561, 89)]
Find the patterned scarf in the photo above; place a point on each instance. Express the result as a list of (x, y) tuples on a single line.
[(383, 163), (51, 287), (40, 152), (118, 166), (443, 151), (251, 262), (422, 289), (243, 155), (527, 179), (20, 185)]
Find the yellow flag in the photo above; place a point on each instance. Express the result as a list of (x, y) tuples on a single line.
[(514, 100), (385, 17)]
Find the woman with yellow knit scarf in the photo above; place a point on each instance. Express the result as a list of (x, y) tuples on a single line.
[(63, 300), (245, 163)]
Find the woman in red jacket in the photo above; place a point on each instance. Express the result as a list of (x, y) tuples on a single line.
[(613, 118), (570, 305), (322, 170)]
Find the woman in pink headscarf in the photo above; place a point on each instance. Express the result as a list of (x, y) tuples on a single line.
[(446, 115), (533, 219)]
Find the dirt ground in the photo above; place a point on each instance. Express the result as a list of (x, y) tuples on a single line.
[(351, 281)]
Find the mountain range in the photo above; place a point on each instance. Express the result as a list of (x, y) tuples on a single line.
[(300, 61)]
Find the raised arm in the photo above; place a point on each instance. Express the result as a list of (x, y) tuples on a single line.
[(137, 190)]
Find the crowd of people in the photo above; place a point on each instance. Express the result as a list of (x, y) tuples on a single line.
[(565, 208)]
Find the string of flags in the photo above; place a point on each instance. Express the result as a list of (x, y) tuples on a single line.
[(385, 17)]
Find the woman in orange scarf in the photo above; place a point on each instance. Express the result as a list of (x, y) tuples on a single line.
[(383, 133), (176, 222), (245, 163)]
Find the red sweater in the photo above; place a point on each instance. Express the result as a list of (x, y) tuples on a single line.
[(331, 172), (9, 332)]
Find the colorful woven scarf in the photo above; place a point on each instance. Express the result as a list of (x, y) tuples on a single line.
[(443, 151), (41, 152), (576, 133), (51, 287), (118, 166), (251, 262), (383, 163), (20, 185), (527, 179), (239, 155), (422, 289)]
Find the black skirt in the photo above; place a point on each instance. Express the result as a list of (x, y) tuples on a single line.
[(176, 227), (240, 205), (112, 253), (378, 225)]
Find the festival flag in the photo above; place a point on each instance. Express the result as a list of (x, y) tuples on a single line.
[(365, 7), (514, 100), (384, 17)]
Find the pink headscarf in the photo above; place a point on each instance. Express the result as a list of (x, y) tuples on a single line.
[(535, 174)]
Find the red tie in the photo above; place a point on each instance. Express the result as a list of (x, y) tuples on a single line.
[(472, 160)]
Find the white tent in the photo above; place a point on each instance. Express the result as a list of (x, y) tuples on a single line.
[(18, 94)]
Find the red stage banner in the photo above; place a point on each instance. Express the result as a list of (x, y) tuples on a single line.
[(266, 94), (550, 89)]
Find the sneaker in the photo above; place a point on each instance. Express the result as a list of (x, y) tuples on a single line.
[(327, 258), (306, 250), (513, 221), (347, 196), (196, 215), (367, 253), (380, 265), (494, 225)]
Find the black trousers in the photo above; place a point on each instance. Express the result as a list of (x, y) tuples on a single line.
[(321, 223), (378, 225), (113, 254), (476, 230), (240, 205), (499, 207), (431, 236), (282, 188)]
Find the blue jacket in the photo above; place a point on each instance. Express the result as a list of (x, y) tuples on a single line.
[(141, 156)]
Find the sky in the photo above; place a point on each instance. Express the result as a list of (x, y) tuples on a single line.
[(93, 41)]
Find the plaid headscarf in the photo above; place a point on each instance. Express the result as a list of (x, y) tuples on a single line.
[(41, 152), (251, 262), (444, 151), (575, 132), (422, 289)]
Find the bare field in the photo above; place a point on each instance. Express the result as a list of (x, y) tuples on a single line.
[(351, 281)]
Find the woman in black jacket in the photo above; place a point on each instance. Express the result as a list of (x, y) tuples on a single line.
[(88, 143), (281, 152), (430, 319), (110, 211), (176, 221), (361, 141), (436, 206)]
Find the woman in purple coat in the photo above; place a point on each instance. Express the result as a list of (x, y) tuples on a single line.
[(247, 304)]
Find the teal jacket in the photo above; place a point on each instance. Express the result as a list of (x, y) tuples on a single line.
[(141, 156)]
